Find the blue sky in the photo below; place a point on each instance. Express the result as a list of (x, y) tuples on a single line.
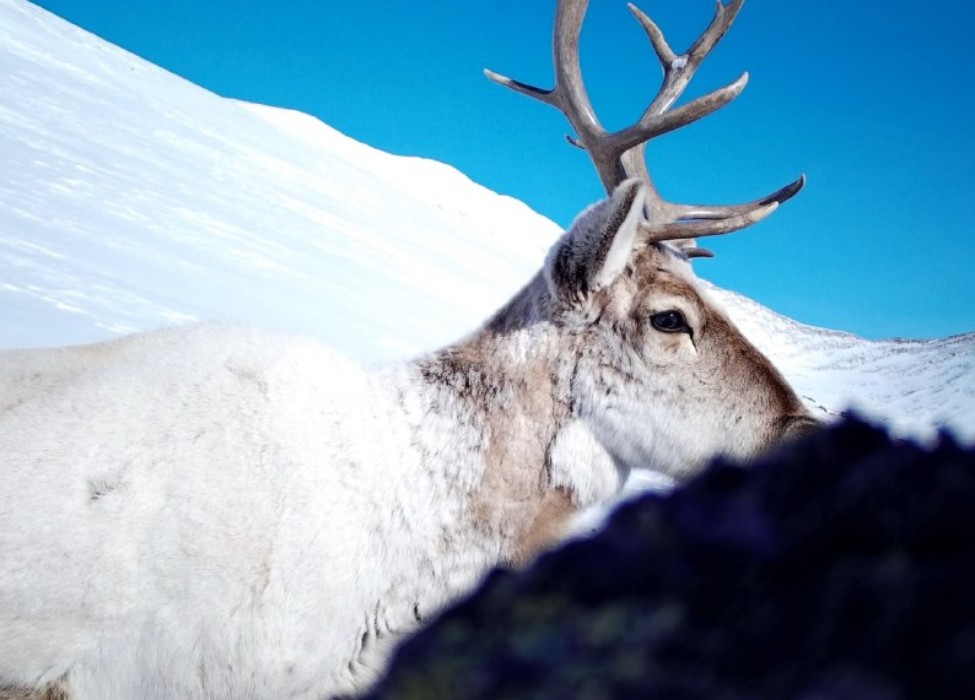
[(872, 100)]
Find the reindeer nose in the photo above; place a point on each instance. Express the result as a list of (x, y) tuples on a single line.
[(799, 426)]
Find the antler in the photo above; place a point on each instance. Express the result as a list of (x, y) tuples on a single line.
[(621, 155)]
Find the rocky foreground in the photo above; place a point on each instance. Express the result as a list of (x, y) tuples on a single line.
[(841, 567)]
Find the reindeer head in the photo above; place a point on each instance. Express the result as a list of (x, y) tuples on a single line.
[(661, 376)]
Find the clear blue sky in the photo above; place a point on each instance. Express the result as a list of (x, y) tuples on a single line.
[(873, 100)]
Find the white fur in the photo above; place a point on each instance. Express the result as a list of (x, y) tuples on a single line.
[(228, 533), (582, 465)]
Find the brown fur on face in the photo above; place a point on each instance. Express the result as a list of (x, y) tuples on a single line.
[(714, 361)]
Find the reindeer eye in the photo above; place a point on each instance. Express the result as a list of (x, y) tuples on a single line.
[(670, 322)]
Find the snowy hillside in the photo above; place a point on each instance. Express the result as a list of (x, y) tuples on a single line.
[(130, 198)]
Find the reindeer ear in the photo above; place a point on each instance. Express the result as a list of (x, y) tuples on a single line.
[(598, 245)]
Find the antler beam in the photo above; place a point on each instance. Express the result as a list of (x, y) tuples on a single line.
[(620, 155)]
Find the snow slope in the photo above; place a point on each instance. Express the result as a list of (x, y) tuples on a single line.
[(130, 198)]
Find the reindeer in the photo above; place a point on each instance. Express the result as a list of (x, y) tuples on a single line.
[(220, 512)]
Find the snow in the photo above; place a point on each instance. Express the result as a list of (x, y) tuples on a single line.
[(138, 200), (131, 198)]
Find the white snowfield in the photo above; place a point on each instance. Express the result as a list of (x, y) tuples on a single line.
[(131, 199)]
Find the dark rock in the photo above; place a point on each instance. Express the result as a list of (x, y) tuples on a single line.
[(840, 567)]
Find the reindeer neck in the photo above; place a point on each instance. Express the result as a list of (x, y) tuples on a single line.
[(507, 383)]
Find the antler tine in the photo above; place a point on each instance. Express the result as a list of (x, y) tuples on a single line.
[(724, 17), (678, 73), (569, 94), (688, 212), (652, 125), (682, 229), (660, 45), (546, 96)]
